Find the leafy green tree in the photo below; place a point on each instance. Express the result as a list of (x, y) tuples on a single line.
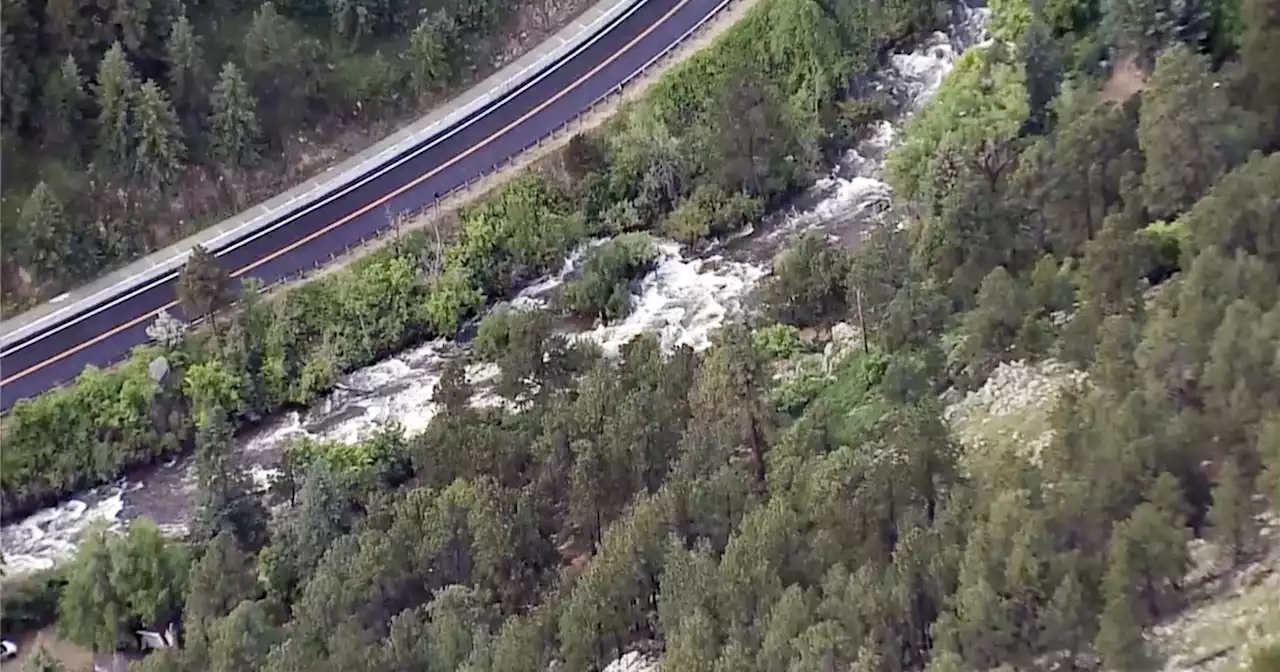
[(234, 120), (323, 515), (277, 67), (160, 146), (63, 100), (150, 572), (116, 90), (975, 117), (1071, 179), (752, 143), (212, 388), (692, 645), (120, 583), (1112, 269), (430, 53), (406, 646), (1187, 130), (1141, 28), (993, 330), (92, 611), (522, 644)]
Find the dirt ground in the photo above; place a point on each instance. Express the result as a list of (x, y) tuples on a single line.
[(1126, 80), (74, 658)]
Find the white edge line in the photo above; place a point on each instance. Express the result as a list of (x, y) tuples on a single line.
[(339, 189), (431, 144)]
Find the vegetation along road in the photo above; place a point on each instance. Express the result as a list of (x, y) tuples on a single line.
[(104, 333)]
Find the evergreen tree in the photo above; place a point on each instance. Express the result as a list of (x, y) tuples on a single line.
[(1259, 53), (204, 287), (1187, 130), (160, 145), (1119, 639), (63, 101), (116, 90), (222, 578), (185, 59), (49, 234), (1043, 72), (226, 500), (1066, 620), (234, 121), (1231, 516)]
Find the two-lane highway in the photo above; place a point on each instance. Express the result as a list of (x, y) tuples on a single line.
[(104, 333)]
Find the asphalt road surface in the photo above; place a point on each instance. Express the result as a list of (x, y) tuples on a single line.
[(103, 334)]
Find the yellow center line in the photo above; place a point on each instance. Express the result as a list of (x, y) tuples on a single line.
[(320, 232)]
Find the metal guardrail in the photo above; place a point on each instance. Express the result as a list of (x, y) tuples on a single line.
[(568, 128), (264, 215)]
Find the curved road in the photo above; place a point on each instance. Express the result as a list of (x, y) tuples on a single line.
[(104, 334)]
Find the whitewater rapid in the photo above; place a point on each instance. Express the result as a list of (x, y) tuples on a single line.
[(684, 300)]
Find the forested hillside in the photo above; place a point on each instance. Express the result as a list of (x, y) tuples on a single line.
[(1099, 186), (127, 125)]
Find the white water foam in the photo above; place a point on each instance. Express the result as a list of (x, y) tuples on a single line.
[(49, 536)]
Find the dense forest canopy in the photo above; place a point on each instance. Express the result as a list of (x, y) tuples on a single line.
[(128, 124), (696, 505)]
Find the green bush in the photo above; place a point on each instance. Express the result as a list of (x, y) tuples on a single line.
[(778, 341), (603, 291), (30, 602)]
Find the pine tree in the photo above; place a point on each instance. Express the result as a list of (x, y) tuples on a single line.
[(49, 234), (1259, 53), (234, 121), (204, 287), (1065, 620), (63, 100), (1231, 515), (115, 90), (226, 500), (1119, 640), (1187, 130), (185, 59), (1040, 62), (160, 146)]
